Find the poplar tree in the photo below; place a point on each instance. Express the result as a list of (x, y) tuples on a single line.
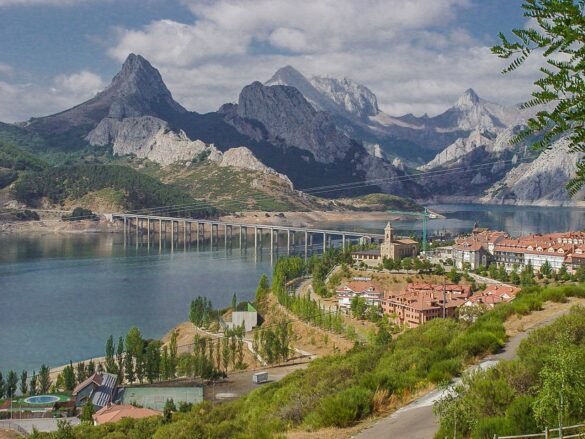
[(129, 368), (69, 377), (173, 355), (81, 373), (90, 368), (110, 350), (225, 353), (44, 379), (33, 384), (11, 383), (2, 386), (120, 359), (24, 382), (140, 369)]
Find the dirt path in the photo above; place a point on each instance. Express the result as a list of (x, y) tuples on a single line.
[(417, 421)]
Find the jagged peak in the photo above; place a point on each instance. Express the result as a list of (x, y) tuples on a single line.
[(468, 99), (138, 73), (285, 75)]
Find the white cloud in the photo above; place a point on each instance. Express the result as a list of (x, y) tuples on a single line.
[(82, 83), (411, 53), (21, 101)]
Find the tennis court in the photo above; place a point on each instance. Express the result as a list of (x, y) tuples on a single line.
[(155, 397)]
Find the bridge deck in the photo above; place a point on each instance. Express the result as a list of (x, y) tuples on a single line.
[(246, 225)]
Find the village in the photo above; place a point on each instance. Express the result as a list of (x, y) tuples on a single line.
[(480, 251), (392, 281)]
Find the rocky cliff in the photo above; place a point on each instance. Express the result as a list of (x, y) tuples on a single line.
[(542, 181)]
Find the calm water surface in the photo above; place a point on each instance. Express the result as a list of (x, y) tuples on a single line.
[(516, 220), (61, 296)]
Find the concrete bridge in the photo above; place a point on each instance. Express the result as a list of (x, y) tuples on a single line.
[(194, 230)]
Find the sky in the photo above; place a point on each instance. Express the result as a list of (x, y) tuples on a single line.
[(417, 56)]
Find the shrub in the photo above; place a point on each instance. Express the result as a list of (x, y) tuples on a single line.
[(342, 409)]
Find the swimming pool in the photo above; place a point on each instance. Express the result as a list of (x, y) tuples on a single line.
[(41, 399)]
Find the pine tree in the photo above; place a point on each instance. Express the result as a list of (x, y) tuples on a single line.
[(234, 302), (24, 382)]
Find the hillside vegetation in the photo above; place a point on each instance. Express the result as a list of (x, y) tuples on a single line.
[(342, 389), (523, 396), (233, 189), (140, 191)]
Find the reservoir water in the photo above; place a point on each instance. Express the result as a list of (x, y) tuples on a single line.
[(61, 296)]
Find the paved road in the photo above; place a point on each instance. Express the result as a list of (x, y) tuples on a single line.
[(416, 420)]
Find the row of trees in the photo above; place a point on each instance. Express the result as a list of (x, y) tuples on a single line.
[(273, 344), (201, 312), (304, 307), (36, 384), (142, 360)]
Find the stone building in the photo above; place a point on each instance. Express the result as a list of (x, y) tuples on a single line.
[(391, 248)]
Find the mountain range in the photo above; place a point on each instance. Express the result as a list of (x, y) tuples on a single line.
[(317, 132)]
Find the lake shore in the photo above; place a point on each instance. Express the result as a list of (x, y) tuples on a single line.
[(308, 219)]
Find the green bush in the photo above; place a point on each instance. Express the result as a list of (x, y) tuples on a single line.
[(444, 370), (342, 409)]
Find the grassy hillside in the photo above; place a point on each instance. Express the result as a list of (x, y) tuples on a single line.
[(232, 189), (340, 390), (134, 189), (380, 202)]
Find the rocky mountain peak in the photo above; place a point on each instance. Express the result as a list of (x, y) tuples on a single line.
[(355, 98), (467, 99), (138, 88), (286, 75)]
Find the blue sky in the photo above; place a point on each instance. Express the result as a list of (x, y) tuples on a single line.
[(416, 55)]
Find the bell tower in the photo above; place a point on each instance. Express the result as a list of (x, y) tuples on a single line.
[(388, 233), (387, 247)]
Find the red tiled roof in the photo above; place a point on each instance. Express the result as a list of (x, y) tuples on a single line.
[(114, 412)]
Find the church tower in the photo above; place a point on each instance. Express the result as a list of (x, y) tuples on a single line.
[(388, 233), (387, 247)]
